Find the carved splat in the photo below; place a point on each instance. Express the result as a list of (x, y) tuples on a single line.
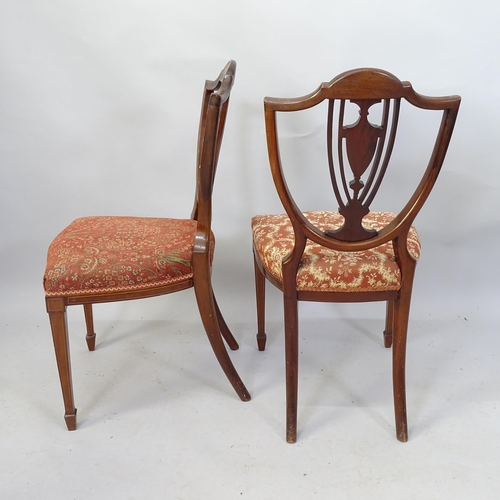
[(361, 160)]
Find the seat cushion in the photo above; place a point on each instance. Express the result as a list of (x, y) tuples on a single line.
[(110, 254), (326, 270)]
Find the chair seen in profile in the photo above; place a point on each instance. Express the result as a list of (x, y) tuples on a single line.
[(353, 254), (108, 259)]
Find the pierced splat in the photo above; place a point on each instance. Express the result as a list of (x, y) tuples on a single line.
[(361, 146)]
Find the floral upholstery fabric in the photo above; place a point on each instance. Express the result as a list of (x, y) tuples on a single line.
[(326, 270), (108, 254)]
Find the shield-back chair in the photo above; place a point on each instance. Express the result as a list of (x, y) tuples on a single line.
[(353, 254)]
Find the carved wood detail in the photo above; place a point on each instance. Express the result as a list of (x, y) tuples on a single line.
[(361, 149)]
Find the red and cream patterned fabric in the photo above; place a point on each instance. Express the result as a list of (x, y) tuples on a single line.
[(108, 254), (326, 270)]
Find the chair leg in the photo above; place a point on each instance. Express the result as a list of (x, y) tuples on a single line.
[(398, 370), (224, 329), (208, 313), (389, 324), (401, 318), (89, 321), (292, 366), (260, 293), (56, 308)]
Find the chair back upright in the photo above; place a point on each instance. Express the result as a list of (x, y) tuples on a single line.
[(211, 130)]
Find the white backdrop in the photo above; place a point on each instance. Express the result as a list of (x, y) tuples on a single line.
[(99, 104)]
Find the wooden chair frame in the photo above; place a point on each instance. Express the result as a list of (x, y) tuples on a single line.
[(212, 121), (362, 86)]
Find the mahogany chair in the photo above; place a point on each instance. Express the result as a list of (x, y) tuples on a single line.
[(353, 254), (107, 259)]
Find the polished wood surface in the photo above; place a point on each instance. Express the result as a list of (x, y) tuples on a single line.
[(213, 116), (356, 149)]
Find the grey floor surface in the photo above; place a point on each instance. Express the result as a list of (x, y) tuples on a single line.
[(157, 418)]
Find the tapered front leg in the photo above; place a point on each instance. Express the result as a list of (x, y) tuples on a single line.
[(56, 307), (260, 296), (89, 321)]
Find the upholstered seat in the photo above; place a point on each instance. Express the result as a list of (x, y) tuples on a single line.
[(106, 254), (328, 270)]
